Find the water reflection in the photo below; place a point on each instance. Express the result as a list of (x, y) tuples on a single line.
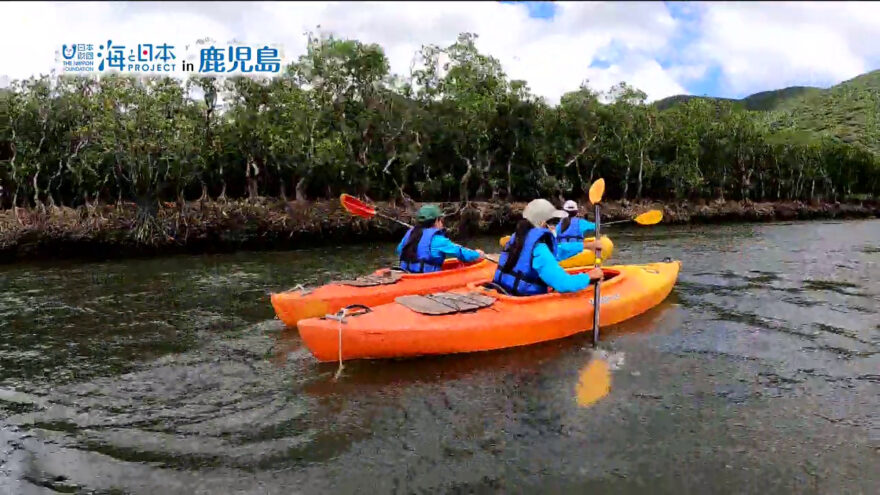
[(594, 382)]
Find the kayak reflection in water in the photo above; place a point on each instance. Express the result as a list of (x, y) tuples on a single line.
[(571, 233), (528, 264), (425, 246)]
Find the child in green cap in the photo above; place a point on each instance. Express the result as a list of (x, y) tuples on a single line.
[(425, 246)]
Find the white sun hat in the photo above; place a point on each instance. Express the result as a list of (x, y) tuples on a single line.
[(541, 210)]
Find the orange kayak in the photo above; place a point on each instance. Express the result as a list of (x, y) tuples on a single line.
[(295, 305), (394, 330)]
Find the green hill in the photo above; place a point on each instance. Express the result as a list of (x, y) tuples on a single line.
[(671, 101), (773, 100), (849, 111), (763, 101)]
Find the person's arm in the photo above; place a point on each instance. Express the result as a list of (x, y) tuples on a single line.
[(400, 246), (554, 275), (587, 226), (441, 244)]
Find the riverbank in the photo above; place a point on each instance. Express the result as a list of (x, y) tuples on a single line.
[(114, 231)]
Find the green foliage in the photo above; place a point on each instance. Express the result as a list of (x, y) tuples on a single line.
[(848, 112), (456, 127)]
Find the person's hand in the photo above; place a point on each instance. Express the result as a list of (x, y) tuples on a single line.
[(596, 274), (482, 254)]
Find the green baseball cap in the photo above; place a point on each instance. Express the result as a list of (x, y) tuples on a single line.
[(429, 212)]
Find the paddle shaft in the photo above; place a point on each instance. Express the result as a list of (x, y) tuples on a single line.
[(619, 221), (598, 261), (393, 220)]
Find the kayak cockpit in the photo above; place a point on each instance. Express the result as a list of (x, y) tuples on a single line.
[(450, 265), (612, 276)]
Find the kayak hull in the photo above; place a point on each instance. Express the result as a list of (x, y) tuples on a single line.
[(394, 331), (295, 305), (584, 258)]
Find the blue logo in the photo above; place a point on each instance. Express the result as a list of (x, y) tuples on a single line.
[(78, 57), (65, 51), (239, 59)]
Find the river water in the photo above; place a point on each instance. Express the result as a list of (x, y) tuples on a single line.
[(760, 373)]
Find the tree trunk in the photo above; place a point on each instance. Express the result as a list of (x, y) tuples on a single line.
[(463, 183), (252, 178), (626, 176), (484, 181), (509, 171), (300, 189), (761, 178), (641, 168), (37, 187), (204, 195)]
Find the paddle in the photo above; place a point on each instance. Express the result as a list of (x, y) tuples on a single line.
[(359, 208), (363, 210), (595, 378), (597, 190), (651, 217)]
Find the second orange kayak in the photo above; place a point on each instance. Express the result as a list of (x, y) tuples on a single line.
[(295, 305)]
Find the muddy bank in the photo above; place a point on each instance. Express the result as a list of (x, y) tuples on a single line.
[(111, 231)]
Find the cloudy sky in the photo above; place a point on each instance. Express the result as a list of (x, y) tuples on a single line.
[(664, 48)]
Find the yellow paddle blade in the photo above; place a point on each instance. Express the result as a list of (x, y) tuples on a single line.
[(649, 217), (597, 190), (594, 383)]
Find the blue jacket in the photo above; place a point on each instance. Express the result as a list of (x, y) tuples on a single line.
[(537, 268), (571, 242), (438, 248)]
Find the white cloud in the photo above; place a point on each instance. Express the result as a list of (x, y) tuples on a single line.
[(758, 46), (762, 46)]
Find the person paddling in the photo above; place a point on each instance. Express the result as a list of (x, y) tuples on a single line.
[(425, 246), (571, 233), (528, 264)]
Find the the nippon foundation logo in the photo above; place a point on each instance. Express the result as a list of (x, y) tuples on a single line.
[(152, 58)]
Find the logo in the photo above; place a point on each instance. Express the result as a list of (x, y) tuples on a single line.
[(605, 299), (78, 57), (144, 58)]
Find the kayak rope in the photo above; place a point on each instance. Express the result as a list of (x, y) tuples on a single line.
[(304, 291), (342, 314)]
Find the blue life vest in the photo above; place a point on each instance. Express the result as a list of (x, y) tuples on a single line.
[(423, 262), (572, 233), (523, 280)]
